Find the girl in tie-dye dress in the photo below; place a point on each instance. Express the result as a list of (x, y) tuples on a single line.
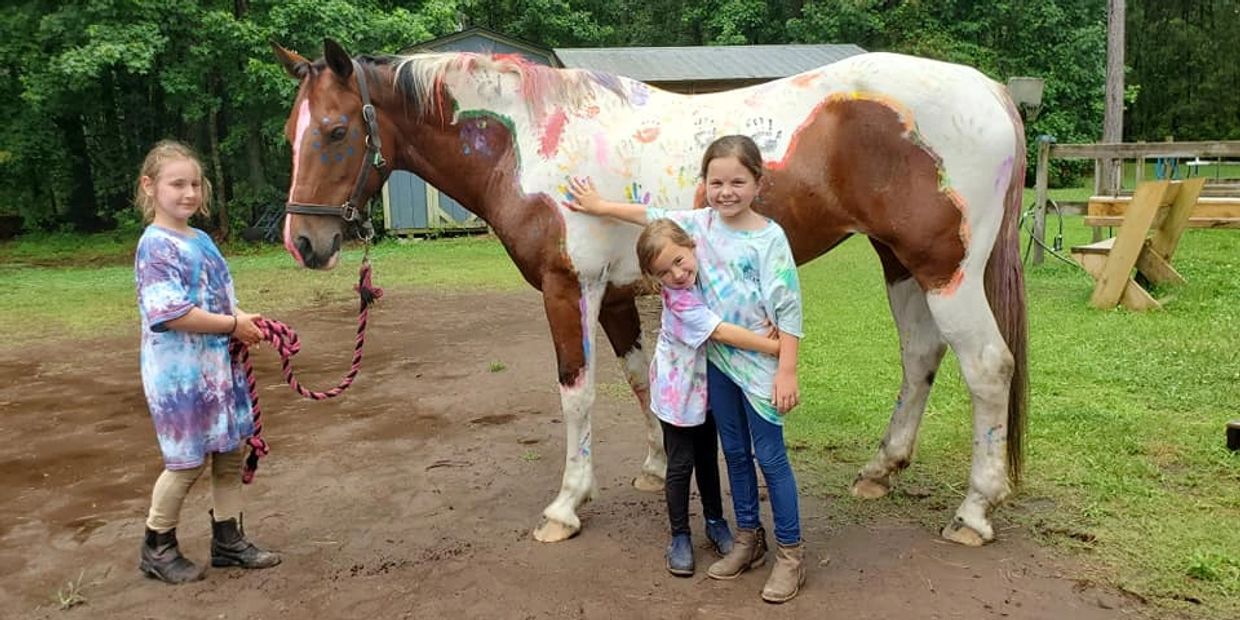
[(196, 393)]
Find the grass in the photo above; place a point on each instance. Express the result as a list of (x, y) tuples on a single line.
[(1126, 461), (1126, 464), (47, 287)]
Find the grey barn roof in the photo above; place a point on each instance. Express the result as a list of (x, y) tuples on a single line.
[(669, 64)]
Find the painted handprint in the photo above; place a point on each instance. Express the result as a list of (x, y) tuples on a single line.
[(764, 133), (634, 193), (703, 132)]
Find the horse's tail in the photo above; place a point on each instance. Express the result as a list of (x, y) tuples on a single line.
[(1005, 288)]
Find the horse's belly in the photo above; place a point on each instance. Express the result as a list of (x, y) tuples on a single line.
[(602, 249)]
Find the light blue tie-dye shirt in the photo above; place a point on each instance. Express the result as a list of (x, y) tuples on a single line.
[(747, 278), (196, 394)]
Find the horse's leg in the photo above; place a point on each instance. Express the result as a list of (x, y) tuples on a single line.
[(572, 307), (921, 351), (623, 327), (966, 322)]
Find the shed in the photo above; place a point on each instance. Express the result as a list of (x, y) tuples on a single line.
[(412, 206)]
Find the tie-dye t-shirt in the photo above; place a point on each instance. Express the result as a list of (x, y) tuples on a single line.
[(746, 277), (196, 394), (678, 374)]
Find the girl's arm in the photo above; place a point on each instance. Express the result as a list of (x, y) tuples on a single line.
[(241, 326), (786, 394), (585, 199), (741, 338)]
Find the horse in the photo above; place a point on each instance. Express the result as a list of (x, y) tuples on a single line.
[(925, 158)]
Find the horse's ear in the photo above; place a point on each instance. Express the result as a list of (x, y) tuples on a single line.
[(293, 62), (337, 59)]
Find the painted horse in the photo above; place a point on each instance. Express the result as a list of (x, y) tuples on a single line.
[(924, 158)]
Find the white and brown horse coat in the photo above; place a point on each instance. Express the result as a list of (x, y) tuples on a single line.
[(926, 158)]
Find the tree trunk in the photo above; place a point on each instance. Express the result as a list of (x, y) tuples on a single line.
[(81, 208), (1113, 116), (221, 200)]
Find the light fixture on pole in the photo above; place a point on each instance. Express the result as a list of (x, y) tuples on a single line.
[(1026, 92)]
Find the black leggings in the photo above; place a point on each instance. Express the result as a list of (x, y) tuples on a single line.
[(689, 448)]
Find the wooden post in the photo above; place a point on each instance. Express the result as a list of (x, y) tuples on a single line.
[(1039, 201), (1113, 112)]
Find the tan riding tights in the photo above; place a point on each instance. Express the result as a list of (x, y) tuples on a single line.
[(172, 487)]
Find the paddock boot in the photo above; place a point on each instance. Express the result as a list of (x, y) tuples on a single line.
[(719, 535), (230, 548), (161, 559), (788, 574), (680, 556), (748, 551)]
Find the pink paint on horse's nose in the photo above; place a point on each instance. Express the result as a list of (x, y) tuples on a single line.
[(299, 134)]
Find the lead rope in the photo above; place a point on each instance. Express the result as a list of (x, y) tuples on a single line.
[(285, 342)]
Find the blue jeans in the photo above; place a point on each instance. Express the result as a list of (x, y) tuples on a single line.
[(744, 434)]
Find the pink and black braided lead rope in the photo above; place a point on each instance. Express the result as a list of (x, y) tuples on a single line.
[(285, 342)]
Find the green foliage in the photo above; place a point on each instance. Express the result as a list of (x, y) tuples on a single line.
[(89, 86)]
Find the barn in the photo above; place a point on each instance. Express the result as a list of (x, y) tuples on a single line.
[(411, 206)]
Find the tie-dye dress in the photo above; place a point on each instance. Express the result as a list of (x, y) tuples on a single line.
[(746, 277), (196, 394), (678, 373)]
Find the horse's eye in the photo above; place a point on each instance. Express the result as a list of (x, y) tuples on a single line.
[(339, 133)]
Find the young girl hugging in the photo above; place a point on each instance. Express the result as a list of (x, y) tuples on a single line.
[(678, 381), (747, 276), (197, 394)]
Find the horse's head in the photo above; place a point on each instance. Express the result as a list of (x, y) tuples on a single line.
[(338, 157)]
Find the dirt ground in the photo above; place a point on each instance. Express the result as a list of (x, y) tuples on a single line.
[(413, 496)]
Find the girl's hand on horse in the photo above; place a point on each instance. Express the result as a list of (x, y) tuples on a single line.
[(584, 197), (246, 331), (785, 394)]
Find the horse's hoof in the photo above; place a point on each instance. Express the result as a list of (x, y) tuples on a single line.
[(550, 531), (648, 483), (958, 532), (869, 489)]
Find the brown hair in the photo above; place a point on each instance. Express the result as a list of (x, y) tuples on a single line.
[(160, 154), (738, 146), (655, 237)]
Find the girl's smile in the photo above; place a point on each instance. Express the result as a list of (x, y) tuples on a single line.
[(675, 266)]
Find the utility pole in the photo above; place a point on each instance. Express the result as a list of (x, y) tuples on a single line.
[(1113, 116)]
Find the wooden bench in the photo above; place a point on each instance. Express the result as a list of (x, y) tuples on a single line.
[(1150, 227), (1209, 212)]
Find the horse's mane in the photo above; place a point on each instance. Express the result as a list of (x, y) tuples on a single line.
[(421, 78)]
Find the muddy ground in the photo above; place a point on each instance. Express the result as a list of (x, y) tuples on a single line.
[(413, 496)]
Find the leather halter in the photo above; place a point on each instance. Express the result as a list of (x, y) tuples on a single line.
[(352, 210)]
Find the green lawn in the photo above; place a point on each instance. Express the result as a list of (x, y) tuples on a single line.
[(1126, 465)]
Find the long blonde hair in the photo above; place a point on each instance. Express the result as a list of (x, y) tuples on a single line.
[(160, 154)]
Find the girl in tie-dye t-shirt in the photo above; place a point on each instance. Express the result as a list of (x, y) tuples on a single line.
[(678, 387), (196, 392), (748, 275)]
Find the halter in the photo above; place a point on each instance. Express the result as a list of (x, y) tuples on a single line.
[(352, 210)]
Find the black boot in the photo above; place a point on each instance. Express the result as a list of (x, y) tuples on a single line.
[(162, 560), (230, 548)]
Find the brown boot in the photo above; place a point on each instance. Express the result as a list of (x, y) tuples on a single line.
[(229, 547), (748, 551), (161, 559), (788, 574)]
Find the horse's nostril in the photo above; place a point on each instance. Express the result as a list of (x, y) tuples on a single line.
[(304, 247)]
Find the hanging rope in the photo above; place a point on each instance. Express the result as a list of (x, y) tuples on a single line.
[(285, 342)]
